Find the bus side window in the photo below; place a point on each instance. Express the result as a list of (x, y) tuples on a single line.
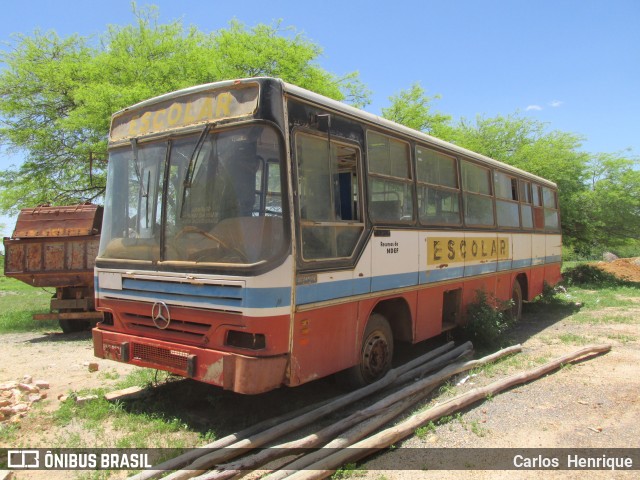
[(538, 212), (478, 201), (390, 186), (506, 200), (438, 189), (551, 220), (328, 192), (526, 211)]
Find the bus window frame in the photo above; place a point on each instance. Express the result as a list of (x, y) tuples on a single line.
[(437, 187), (525, 184), (304, 264), (409, 181), (490, 195), (513, 201)]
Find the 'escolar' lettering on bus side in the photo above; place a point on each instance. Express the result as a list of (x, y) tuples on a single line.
[(453, 250)]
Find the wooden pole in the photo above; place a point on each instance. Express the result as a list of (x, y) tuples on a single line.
[(384, 411), (385, 438), (203, 463), (184, 459)]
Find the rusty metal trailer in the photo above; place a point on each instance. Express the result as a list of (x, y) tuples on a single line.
[(57, 247)]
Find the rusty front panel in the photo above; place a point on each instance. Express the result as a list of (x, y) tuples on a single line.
[(52, 262), (71, 221)]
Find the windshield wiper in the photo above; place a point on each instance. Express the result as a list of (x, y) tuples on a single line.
[(134, 148), (193, 162)]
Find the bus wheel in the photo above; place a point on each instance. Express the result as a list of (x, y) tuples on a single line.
[(516, 302), (375, 356)]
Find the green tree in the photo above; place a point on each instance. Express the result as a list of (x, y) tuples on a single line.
[(57, 94), (613, 199), (412, 108)]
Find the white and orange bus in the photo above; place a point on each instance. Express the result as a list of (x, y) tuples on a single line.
[(257, 234)]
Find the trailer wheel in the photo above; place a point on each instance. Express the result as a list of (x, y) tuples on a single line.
[(375, 356)]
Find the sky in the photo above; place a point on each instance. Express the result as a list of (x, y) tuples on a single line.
[(572, 64)]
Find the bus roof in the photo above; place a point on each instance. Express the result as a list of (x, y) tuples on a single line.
[(355, 113)]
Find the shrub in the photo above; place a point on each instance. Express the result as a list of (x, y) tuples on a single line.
[(487, 320)]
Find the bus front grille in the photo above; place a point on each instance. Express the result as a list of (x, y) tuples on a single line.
[(175, 360), (177, 330)]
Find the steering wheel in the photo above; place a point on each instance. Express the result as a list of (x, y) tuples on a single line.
[(198, 255)]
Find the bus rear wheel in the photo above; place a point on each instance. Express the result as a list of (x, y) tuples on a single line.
[(515, 311), (375, 355)]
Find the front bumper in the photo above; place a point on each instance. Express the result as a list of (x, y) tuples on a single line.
[(231, 371)]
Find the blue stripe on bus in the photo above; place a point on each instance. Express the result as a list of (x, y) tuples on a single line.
[(521, 263), (242, 297), (397, 280), (432, 276), (505, 265), (473, 270), (318, 292)]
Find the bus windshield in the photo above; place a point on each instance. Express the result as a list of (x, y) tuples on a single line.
[(213, 197)]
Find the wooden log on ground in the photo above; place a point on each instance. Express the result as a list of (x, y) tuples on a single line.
[(203, 463), (224, 472), (188, 457), (384, 439), (131, 393), (386, 409)]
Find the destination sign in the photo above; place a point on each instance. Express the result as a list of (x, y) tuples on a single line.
[(441, 250), (192, 109)]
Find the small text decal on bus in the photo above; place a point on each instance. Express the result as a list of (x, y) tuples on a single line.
[(453, 250)]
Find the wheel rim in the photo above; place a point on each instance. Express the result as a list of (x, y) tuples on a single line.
[(375, 356)]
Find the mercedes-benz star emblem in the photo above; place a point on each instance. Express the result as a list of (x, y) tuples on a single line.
[(160, 315)]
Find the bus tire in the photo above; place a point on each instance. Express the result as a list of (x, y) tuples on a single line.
[(516, 298), (375, 357)]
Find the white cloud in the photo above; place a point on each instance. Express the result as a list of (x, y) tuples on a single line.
[(555, 103), (533, 107)]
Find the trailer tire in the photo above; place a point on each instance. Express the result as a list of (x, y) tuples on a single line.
[(73, 326), (376, 354)]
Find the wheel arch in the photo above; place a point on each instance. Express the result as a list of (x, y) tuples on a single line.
[(398, 313), (524, 284)]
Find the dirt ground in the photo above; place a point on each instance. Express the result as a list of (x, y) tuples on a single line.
[(625, 268), (595, 403)]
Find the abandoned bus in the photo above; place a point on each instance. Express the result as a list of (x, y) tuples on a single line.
[(257, 234)]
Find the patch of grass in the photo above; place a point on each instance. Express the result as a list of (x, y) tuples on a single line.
[(8, 433), (447, 388), (573, 339), (350, 470), (590, 319), (425, 430), (143, 377), (129, 427), (478, 429), (622, 338), (17, 309)]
